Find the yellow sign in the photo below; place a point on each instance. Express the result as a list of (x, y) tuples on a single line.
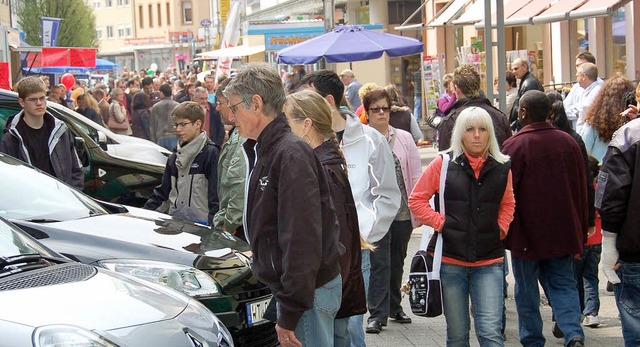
[(225, 7)]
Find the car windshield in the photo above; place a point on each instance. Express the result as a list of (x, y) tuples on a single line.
[(14, 242), (35, 196)]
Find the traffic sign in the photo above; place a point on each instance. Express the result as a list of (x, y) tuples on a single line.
[(205, 22)]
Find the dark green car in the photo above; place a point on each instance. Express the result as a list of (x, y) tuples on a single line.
[(118, 168)]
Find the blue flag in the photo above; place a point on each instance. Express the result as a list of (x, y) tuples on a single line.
[(50, 30)]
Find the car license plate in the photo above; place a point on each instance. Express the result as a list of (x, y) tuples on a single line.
[(256, 310)]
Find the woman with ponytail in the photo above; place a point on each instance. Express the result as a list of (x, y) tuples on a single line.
[(309, 116)]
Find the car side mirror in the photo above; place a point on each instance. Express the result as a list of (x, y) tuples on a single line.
[(102, 140)]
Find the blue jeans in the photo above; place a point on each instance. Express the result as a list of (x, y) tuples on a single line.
[(585, 269), (628, 301), (169, 143), (356, 322), (341, 337), (555, 274), (417, 108), (484, 285), (315, 327)]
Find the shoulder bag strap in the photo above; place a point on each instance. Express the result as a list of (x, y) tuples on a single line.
[(437, 255)]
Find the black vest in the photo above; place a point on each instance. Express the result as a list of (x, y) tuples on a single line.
[(471, 232)]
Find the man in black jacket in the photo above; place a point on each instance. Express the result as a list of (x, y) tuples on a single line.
[(289, 219), (466, 85), (618, 201), (528, 81)]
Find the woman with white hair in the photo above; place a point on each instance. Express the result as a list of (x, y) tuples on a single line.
[(479, 206)]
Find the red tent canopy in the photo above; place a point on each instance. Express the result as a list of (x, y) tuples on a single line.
[(63, 56)]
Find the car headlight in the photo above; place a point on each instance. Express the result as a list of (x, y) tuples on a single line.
[(185, 279), (68, 335)]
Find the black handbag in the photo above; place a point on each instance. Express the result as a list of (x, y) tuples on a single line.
[(425, 288), (434, 120)]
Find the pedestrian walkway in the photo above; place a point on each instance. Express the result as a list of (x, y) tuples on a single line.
[(428, 332)]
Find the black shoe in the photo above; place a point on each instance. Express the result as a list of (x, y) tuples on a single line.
[(609, 287), (401, 317), (373, 327), (576, 342), (556, 331)]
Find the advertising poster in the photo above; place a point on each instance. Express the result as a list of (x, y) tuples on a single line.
[(432, 82)]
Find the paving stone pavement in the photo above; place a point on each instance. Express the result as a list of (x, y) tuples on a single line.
[(427, 332)]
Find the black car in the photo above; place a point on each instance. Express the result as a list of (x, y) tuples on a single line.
[(211, 267), (118, 168)]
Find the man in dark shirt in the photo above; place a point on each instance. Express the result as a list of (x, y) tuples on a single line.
[(43, 136)]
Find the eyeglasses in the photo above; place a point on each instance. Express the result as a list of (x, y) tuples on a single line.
[(234, 107), (379, 109), (181, 125), (34, 100)]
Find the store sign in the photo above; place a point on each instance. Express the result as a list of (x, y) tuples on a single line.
[(276, 42), (145, 40)]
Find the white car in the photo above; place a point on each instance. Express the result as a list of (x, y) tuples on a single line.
[(47, 300)]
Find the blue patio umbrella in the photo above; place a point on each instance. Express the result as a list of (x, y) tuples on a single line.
[(347, 43), (103, 64)]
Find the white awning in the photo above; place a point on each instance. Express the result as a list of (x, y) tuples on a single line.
[(597, 8), (237, 51), (448, 13), (549, 11)]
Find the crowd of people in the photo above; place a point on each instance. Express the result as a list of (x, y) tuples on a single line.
[(324, 180)]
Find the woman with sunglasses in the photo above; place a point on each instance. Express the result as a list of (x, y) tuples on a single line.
[(388, 261)]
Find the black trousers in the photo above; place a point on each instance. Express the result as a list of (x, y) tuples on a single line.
[(387, 262), (400, 236)]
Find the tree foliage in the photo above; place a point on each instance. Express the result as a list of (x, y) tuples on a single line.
[(78, 28)]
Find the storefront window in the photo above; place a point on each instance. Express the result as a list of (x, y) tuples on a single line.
[(619, 42)]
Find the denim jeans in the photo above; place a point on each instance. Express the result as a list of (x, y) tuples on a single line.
[(628, 300), (169, 143), (585, 269), (556, 274), (484, 285), (378, 295), (417, 108), (315, 327), (356, 330), (400, 235)]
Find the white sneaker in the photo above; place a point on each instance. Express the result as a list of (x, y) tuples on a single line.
[(591, 321)]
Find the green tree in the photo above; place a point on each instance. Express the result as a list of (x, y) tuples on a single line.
[(78, 28)]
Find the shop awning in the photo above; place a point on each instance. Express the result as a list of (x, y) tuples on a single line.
[(445, 16), (549, 11), (597, 8), (558, 12), (237, 51), (475, 13)]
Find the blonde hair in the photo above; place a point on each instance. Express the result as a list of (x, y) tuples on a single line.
[(309, 104), (367, 87), (470, 117)]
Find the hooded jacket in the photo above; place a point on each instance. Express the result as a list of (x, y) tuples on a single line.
[(372, 176), (189, 182), (232, 171), (62, 152), (289, 220)]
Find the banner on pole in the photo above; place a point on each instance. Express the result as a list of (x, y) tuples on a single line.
[(50, 30)]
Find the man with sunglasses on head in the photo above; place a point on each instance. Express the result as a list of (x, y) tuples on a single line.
[(37, 138), (189, 183)]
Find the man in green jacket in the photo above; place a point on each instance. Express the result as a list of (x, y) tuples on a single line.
[(232, 172)]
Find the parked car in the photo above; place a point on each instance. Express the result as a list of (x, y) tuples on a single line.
[(48, 300), (118, 168), (211, 267)]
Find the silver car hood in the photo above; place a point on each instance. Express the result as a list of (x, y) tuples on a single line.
[(96, 303)]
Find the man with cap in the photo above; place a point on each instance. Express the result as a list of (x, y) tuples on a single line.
[(351, 88)]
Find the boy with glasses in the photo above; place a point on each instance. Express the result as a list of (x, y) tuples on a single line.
[(39, 139), (189, 181)]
